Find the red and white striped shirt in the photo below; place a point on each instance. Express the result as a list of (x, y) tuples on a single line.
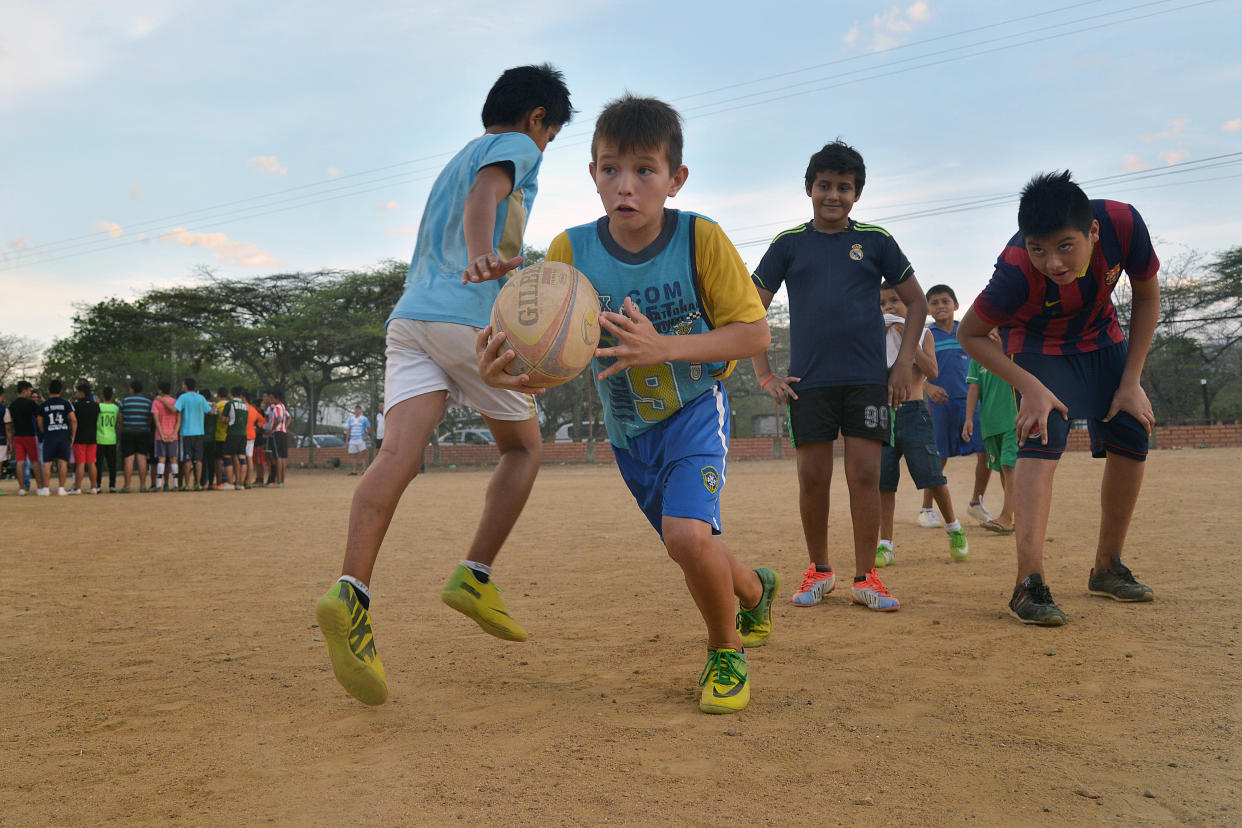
[(278, 415)]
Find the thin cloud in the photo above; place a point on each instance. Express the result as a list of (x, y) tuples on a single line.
[(1132, 163), (1173, 157), (403, 230), (891, 27), (1232, 126), (63, 45), (388, 206), (110, 227), (245, 254), (267, 165), (134, 192), (333, 172), (1175, 128)]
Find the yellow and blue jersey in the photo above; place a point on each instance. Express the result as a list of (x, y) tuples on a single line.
[(688, 281)]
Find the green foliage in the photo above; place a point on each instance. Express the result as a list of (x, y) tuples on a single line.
[(1197, 337), (303, 333)]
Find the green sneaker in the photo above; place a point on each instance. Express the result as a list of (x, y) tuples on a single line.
[(883, 556), (481, 601), (959, 548), (726, 688), (754, 625), (346, 627)]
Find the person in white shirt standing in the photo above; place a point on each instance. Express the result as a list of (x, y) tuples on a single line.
[(357, 429)]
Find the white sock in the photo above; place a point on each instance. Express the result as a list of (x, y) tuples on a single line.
[(159, 474), (482, 569), (174, 475), (928, 511), (953, 527), (887, 543), (357, 585)]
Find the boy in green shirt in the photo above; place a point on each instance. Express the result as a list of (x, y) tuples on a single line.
[(997, 412), (105, 436)]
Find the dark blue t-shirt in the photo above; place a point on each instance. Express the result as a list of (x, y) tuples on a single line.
[(55, 412), (836, 329)]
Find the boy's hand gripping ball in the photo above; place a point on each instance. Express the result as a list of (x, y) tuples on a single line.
[(549, 313)]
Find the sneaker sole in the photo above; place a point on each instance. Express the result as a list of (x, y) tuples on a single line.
[(1037, 623), (1150, 596), (463, 604), (355, 675), (859, 603)]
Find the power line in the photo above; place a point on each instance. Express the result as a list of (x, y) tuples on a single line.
[(1002, 200), (322, 193)]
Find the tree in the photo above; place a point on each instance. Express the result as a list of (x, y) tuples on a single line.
[(1197, 335), (19, 357), (306, 331)]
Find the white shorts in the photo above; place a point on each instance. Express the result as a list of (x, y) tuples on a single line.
[(249, 448), (356, 446), (424, 357)]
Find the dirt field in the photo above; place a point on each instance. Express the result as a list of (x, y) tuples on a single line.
[(162, 666)]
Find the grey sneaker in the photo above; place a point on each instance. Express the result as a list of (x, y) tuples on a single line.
[(1032, 603), (1118, 583)]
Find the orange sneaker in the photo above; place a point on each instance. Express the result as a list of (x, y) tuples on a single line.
[(871, 593), (815, 585)]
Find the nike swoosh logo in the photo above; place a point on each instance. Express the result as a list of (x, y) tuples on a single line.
[(1051, 304), (737, 688)]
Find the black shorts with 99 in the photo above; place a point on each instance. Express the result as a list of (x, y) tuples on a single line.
[(819, 414)]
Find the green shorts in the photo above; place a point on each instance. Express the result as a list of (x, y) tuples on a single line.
[(1002, 450)]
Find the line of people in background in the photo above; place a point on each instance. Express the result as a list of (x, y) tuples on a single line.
[(190, 442)]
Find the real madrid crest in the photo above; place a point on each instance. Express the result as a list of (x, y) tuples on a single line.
[(856, 253)]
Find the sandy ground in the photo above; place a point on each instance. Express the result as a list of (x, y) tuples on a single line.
[(162, 666)]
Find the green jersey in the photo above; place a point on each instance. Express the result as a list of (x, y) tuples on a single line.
[(105, 426), (236, 412), (997, 406)]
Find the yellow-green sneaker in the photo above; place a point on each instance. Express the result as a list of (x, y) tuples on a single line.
[(754, 625), (959, 547), (726, 688), (480, 601), (346, 627)]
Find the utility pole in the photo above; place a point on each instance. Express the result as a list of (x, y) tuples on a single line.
[(1207, 413)]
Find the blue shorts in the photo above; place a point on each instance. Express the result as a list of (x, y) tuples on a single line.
[(1086, 384), (947, 419), (912, 438), (677, 467), (57, 448)]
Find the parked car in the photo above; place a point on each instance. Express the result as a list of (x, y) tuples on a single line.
[(578, 432), (321, 441), (468, 437)]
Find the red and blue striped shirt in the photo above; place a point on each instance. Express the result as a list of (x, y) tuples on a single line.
[(1036, 315)]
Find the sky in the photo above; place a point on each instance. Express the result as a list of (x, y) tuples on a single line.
[(144, 141)]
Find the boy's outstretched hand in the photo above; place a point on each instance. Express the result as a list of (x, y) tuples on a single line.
[(638, 342), (492, 364), (968, 429), (1133, 400), (489, 266), (1037, 406)]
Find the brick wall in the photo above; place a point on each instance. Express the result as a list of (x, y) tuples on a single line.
[(761, 448)]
